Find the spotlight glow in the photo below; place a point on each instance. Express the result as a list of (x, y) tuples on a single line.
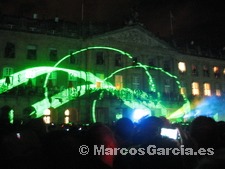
[(139, 113)]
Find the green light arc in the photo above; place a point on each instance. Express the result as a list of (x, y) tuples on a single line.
[(152, 67), (83, 50), (19, 78)]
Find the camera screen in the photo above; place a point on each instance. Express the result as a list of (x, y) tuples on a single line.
[(171, 133)]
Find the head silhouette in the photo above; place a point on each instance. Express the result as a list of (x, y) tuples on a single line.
[(6, 115), (101, 135), (203, 131)]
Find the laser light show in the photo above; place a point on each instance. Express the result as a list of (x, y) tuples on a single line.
[(134, 99)]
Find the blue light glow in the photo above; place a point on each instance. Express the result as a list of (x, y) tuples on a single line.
[(139, 113)]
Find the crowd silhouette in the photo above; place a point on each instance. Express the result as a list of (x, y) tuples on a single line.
[(35, 145)]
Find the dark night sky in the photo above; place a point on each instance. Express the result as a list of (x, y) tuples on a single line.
[(202, 21)]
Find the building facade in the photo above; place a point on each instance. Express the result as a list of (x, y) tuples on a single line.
[(76, 75)]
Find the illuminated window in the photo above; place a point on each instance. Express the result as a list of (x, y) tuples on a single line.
[(9, 50), (183, 88), (218, 92), (99, 81), (216, 71), (47, 116), (67, 116), (99, 58), (53, 54), (31, 52), (195, 88), (217, 89), (118, 82), (182, 67), (207, 89), (194, 70), (118, 60), (205, 71)]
